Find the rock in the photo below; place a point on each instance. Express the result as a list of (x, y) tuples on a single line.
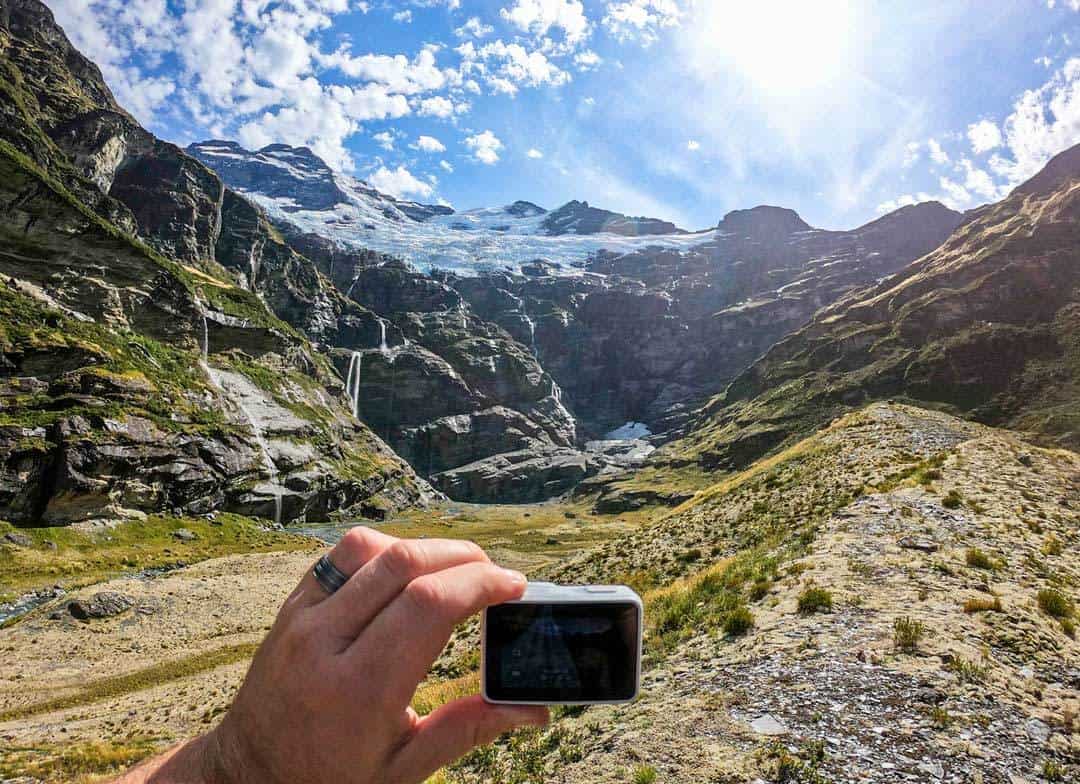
[(516, 477), (767, 725), (19, 540), (918, 543), (1037, 730), (185, 535), (105, 604)]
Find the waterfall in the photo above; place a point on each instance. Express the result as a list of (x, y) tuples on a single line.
[(383, 348), (268, 462), (352, 382), (532, 331), (205, 337), (351, 286)]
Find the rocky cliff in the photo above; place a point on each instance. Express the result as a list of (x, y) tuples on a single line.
[(985, 326), (140, 370)]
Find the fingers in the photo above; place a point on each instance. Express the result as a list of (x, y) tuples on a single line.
[(454, 729), (382, 579), (358, 546), (415, 626)]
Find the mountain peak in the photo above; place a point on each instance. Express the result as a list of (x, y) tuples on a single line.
[(1063, 166), (764, 220)]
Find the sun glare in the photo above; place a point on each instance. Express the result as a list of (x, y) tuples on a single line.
[(778, 47)]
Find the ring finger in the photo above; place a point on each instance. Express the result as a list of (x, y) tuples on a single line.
[(357, 547)]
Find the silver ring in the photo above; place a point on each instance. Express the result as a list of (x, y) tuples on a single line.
[(329, 576)]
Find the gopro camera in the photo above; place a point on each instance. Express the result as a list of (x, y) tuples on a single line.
[(563, 645)]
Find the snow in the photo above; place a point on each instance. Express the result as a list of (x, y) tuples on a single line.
[(494, 239), (631, 431)]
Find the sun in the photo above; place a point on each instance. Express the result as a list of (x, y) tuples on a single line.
[(779, 47)]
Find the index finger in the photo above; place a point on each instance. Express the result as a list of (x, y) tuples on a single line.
[(413, 629)]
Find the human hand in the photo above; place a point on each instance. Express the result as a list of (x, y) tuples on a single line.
[(327, 695)]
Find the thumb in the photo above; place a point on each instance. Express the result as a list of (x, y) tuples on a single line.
[(455, 729)]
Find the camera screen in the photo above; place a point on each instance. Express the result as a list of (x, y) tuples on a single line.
[(562, 652)]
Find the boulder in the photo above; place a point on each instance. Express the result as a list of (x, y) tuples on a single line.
[(105, 604)]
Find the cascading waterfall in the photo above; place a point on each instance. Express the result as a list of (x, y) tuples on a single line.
[(352, 382), (205, 337), (352, 286), (383, 348), (532, 331), (268, 462)]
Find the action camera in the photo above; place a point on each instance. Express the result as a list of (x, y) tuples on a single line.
[(563, 645)]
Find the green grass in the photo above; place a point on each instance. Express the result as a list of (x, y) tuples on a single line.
[(907, 632), (76, 762), (977, 559), (644, 774), (815, 599), (1054, 603), (119, 685), (83, 557)]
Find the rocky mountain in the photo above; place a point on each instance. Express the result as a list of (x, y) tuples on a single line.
[(137, 372), (985, 326), (577, 217)]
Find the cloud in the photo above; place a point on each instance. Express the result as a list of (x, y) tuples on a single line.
[(587, 60), (441, 107), (429, 144), (937, 154), (400, 183), (535, 154), (405, 17), (474, 28), (507, 67), (385, 139), (485, 147), (640, 20), (540, 16), (446, 166), (254, 70), (693, 145), (984, 136)]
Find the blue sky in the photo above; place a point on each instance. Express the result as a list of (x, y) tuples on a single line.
[(678, 109)]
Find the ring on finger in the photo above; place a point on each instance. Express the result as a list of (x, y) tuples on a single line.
[(329, 576)]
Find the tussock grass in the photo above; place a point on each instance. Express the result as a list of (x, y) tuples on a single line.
[(119, 685)]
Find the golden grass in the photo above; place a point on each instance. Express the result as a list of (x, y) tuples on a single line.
[(78, 763), (435, 694), (148, 678)]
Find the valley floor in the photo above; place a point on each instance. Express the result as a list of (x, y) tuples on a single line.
[(891, 600)]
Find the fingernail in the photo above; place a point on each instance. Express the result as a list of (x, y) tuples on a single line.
[(515, 576)]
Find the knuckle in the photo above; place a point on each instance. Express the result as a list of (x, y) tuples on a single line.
[(476, 552), (403, 560), (356, 540), (427, 594)]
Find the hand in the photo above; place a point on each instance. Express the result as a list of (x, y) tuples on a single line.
[(327, 695)]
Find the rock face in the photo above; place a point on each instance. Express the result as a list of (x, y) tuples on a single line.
[(577, 217), (986, 325), (646, 335), (140, 370)]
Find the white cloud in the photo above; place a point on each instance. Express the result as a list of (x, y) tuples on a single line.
[(912, 153), (474, 28), (587, 60), (254, 69), (540, 16), (937, 154), (535, 154), (641, 20), (405, 17), (385, 139), (984, 136), (441, 107), (693, 145), (429, 144), (485, 147), (400, 183), (507, 67), (446, 166)]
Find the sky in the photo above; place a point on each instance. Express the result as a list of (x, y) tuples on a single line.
[(674, 109)]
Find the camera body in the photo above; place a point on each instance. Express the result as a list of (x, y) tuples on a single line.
[(563, 645)]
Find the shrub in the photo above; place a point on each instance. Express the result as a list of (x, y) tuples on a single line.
[(644, 774), (1069, 628), (982, 605), (1052, 771), (977, 559), (968, 671), (738, 622), (952, 500), (907, 632), (1053, 602), (815, 599), (1052, 546)]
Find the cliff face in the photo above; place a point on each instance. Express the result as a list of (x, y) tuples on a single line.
[(987, 326), (138, 373)]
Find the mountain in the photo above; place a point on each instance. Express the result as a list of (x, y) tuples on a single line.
[(577, 217), (137, 374), (985, 326), (298, 189)]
